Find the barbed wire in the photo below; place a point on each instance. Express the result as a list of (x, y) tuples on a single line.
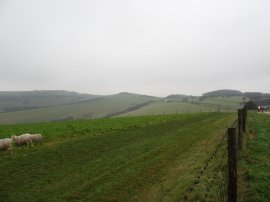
[(218, 171), (204, 168)]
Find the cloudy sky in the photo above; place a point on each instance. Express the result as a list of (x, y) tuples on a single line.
[(143, 46)]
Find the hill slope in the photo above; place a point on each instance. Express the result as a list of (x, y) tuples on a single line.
[(193, 104), (106, 106), (24, 100)]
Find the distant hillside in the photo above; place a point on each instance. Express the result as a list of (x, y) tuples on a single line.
[(124, 104), (175, 97), (46, 106), (190, 104), (25, 100), (258, 97), (180, 97), (224, 92), (106, 106)]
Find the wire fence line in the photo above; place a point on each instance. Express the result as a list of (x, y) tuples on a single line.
[(204, 184), (205, 167), (217, 179)]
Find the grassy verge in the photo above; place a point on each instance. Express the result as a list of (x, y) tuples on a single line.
[(256, 162)]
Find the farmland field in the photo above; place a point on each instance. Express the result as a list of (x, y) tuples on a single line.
[(152, 158)]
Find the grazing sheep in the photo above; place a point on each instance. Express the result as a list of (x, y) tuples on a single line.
[(5, 144), (36, 138), (24, 139)]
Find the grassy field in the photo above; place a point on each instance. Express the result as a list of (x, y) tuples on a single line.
[(256, 159), (232, 101), (209, 104), (154, 158), (95, 108), (169, 108)]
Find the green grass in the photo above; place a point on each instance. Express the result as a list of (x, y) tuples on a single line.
[(257, 158), (153, 158)]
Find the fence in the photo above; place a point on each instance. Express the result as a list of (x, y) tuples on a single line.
[(217, 179), (234, 145)]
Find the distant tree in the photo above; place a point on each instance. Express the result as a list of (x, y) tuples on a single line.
[(225, 92), (201, 98), (253, 95), (251, 105)]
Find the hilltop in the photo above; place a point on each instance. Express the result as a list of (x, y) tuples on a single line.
[(223, 92)]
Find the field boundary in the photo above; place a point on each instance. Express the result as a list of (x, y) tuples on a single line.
[(224, 174)]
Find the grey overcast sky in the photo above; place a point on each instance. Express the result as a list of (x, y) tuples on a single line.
[(143, 46)]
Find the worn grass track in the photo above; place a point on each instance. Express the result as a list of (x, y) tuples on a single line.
[(124, 159)]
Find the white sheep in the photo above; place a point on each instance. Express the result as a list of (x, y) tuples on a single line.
[(6, 144), (36, 138), (24, 139)]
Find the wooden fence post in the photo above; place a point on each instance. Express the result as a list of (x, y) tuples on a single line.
[(240, 136), (232, 165), (246, 110), (244, 118)]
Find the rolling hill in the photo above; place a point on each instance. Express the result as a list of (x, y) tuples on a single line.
[(106, 106), (25, 100), (46, 106)]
